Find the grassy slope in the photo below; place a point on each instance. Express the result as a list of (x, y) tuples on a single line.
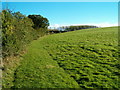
[(87, 58)]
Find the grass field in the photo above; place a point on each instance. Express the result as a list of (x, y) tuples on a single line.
[(78, 59)]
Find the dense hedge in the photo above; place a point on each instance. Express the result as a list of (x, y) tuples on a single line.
[(17, 32)]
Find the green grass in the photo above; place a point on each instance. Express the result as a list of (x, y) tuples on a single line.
[(38, 70), (78, 59)]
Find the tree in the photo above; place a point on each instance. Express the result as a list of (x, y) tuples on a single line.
[(39, 21)]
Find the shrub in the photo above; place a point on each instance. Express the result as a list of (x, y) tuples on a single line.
[(17, 31)]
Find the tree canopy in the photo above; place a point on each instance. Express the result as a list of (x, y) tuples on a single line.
[(39, 21)]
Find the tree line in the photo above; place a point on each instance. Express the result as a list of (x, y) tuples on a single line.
[(71, 28)]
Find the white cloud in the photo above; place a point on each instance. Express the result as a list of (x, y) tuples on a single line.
[(56, 26), (105, 24)]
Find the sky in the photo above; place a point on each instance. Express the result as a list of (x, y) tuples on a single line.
[(61, 0), (102, 14)]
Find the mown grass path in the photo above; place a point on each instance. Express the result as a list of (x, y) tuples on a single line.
[(85, 58), (38, 70)]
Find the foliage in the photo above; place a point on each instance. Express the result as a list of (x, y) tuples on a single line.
[(73, 28), (39, 21), (17, 32), (70, 28)]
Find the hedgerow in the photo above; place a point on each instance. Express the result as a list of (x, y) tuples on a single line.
[(17, 32)]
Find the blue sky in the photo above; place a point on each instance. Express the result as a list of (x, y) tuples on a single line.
[(60, 0), (70, 13)]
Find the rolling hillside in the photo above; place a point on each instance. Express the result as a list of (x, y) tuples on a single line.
[(78, 59)]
